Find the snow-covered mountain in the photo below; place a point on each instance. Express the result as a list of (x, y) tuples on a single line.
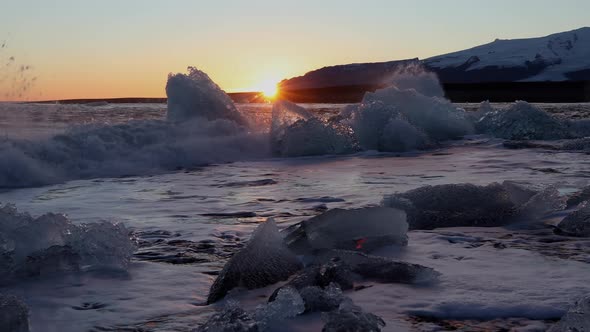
[(557, 57), (562, 56)]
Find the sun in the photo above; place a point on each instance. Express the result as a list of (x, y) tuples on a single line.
[(269, 89)]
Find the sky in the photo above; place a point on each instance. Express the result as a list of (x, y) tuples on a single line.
[(126, 48)]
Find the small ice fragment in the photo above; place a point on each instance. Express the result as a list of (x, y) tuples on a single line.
[(576, 319), (349, 317), (231, 319), (322, 300), (14, 314), (576, 223), (288, 304)]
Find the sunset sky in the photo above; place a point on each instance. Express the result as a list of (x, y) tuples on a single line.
[(126, 48)]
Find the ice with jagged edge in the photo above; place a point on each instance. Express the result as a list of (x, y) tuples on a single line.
[(576, 319), (287, 304), (264, 261), (52, 243), (577, 223), (520, 121), (14, 314), (410, 114), (350, 317), (297, 132), (195, 95)]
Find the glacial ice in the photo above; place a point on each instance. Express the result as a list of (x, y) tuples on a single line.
[(469, 205), (435, 116), (51, 243), (195, 95), (349, 317), (578, 197), (547, 200), (377, 268), (362, 229), (576, 223), (381, 127), (576, 319), (342, 268), (521, 121), (454, 205), (296, 132), (319, 299), (408, 115), (231, 319), (14, 314), (287, 304), (264, 261)]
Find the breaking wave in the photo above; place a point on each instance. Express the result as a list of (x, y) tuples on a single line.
[(204, 127)]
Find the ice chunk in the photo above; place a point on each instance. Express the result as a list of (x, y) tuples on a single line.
[(434, 116), (350, 317), (382, 127), (579, 197), (522, 121), (576, 223), (288, 304), (264, 261), (379, 268), (321, 275), (231, 319), (580, 144), (322, 300), (14, 314), (576, 319), (52, 243), (361, 229), (455, 205), (544, 202), (520, 193), (195, 95), (296, 132)]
